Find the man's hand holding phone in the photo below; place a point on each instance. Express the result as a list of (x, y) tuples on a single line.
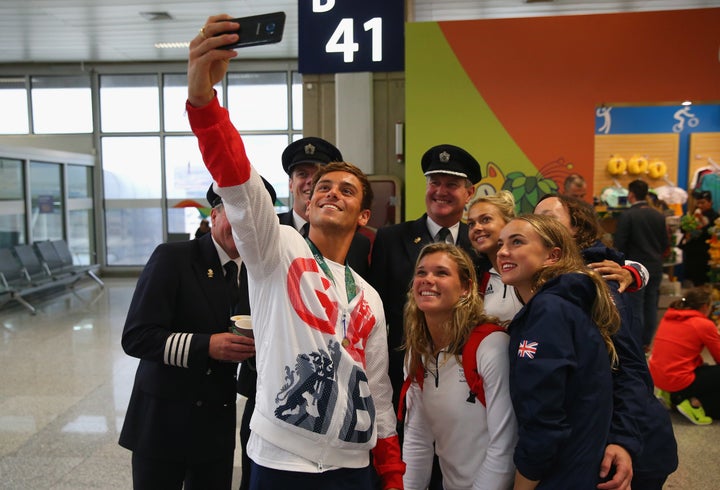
[(256, 30), (207, 64)]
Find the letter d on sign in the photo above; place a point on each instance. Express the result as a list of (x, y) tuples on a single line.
[(319, 6)]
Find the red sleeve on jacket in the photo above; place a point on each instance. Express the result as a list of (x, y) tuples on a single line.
[(221, 146), (637, 280), (388, 463)]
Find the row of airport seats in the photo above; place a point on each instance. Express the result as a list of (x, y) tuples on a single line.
[(40, 267)]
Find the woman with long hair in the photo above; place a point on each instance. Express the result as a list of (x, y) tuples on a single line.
[(473, 440), (561, 355), (641, 437), (676, 363)]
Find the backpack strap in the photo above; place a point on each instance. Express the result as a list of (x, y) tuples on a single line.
[(469, 360), (419, 377)]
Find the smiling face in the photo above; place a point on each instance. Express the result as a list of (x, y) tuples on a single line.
[(436, 286), (300, 186), (336, 202), (521, 255), (445, 198), (485, 222)]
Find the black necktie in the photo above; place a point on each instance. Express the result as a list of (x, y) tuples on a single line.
[(443, 234), (231, 278), (305, 230)]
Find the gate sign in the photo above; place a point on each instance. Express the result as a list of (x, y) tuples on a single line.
[(337, 36)]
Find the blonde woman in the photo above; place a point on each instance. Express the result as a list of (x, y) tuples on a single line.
[(561, 356), (474, 441), (488, 215)]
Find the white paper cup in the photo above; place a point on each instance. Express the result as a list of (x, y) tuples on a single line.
[(242, 325)]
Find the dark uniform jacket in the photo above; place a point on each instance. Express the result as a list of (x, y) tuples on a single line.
[(180, 413), (395, 250)]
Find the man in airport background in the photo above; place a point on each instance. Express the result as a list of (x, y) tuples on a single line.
[(642, 235), (575, 186)]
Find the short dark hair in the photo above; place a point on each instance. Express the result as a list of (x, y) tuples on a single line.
[(573, 179), (582, 217), (367, 198), (701, 194), (639, 188)]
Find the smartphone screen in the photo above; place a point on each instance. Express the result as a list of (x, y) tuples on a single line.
[(258, 29)]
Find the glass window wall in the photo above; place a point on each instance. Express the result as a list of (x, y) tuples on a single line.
[(119, 93), (258, 101), (61, 105), (46, 197), (13, 100), (12, 205)]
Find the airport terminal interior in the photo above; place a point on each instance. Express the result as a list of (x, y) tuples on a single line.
[(65, 383), (82, 166)]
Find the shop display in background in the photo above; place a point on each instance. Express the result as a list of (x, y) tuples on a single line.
[(715, 305), (691, 225), (714, 252)]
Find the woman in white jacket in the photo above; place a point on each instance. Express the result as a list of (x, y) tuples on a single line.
[(474, 441)]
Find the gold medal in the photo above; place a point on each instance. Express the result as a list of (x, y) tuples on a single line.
[(345, 342)]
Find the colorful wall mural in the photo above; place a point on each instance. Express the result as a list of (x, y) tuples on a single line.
[(521, 94)]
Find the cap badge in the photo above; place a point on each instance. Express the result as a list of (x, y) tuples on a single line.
[(309, 149), (444, 157)]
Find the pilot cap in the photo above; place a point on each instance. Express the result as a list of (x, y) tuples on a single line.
[(309, 150), (451, 160)]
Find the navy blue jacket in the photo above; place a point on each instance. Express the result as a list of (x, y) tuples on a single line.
[(175, 413), (640, 424), (560, 385)]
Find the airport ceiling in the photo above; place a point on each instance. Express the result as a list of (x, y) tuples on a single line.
[(99, 31)]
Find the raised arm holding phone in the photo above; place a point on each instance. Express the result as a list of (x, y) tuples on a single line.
[(323, 395)]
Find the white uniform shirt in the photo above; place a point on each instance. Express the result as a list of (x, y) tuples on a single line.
[(500, 299), (474, 443)]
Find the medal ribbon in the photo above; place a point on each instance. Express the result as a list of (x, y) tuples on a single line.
[(350, 287)]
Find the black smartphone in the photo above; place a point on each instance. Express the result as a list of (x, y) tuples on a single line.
[(258, 29)]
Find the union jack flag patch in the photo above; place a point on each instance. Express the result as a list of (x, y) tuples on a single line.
[(527, 349)]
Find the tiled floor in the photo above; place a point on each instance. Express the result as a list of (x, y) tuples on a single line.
[(65, 383)]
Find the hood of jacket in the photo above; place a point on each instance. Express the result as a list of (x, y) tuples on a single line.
[(682, 315), (575, 288), (597, 252)]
